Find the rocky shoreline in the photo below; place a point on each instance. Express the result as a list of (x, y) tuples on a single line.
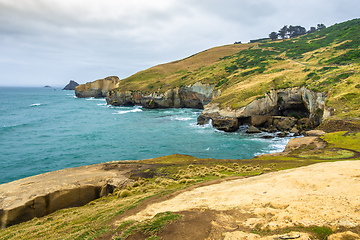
[(292, 110), (40, 195)]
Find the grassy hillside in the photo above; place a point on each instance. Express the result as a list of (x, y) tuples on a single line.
[(324, 61)]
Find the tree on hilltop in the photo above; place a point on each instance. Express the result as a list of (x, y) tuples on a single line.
[(283, 32), (273, 36), (320, 26), (312, 29), (294, 31)]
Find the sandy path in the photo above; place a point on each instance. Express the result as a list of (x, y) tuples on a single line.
[(321, 194)]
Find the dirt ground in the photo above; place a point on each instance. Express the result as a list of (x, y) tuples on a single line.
[(324, 194)]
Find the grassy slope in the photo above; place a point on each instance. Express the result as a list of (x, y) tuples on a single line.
[(326, 61), (171, 173)]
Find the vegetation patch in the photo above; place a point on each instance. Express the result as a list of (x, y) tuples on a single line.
[(149, 228)]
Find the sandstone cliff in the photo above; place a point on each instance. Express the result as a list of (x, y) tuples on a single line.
[(193, 96), (297, 106), (46, 193), (98, 88)]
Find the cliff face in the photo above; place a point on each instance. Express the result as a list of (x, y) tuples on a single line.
[(194, 96), (46, 193), (98, 88), (298, 106)]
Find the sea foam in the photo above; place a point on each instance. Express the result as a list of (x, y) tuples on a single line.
[(35, 104), (128, 111)]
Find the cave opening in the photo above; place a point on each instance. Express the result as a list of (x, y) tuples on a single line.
[(244, 121), (296, 110)]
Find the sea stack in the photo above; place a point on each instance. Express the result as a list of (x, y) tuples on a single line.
[(71, 85)]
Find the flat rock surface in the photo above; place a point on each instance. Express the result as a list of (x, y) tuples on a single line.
[(18, 192), (324, 194)]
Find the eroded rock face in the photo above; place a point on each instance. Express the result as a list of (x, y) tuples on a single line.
[(43, 194), (99, 88), (290, 104), (194, 96)]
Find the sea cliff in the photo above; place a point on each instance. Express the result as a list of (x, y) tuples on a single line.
[(281, 110), (292, 109), (98, 88), (192, 96)]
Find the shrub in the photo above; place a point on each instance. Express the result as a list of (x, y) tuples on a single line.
[(124, 194)]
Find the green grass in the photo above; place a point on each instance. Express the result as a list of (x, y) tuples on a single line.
[(343, 140), (154, 225), (324, 61)]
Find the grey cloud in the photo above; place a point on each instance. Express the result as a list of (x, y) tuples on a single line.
[(89, 39)]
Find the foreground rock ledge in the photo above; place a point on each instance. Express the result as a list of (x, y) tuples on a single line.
[(43, 194)]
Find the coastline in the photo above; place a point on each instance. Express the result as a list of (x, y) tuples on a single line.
[(40, 195), (130, 189)]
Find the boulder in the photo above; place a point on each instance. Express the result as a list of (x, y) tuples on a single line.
[(295, 131), (315, 133), (253, 129), (226, 124), (296, 143), (71, 85), (285, 123), (305, 123)]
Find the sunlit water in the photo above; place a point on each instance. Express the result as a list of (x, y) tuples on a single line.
[(43, 130)]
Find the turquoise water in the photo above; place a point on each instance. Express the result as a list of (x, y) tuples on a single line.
[(42, 130)]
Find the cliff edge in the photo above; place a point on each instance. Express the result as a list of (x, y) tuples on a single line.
[(98, 88)]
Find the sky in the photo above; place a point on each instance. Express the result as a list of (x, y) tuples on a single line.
[(50, 42)]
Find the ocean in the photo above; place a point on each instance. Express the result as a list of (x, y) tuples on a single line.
[(46, 129)]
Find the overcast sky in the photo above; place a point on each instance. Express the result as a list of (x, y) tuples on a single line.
[(49, 42)]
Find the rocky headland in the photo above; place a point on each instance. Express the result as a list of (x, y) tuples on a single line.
[(98, 88), (288, 110), (71, 85), (192, 96)]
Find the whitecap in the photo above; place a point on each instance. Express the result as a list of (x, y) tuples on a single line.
[(128, 111), (180, 118), (279, 146), (95, 99), (35, 104), (101, 104)]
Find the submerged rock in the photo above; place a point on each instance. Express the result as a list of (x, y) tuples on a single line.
[(71, 85)]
